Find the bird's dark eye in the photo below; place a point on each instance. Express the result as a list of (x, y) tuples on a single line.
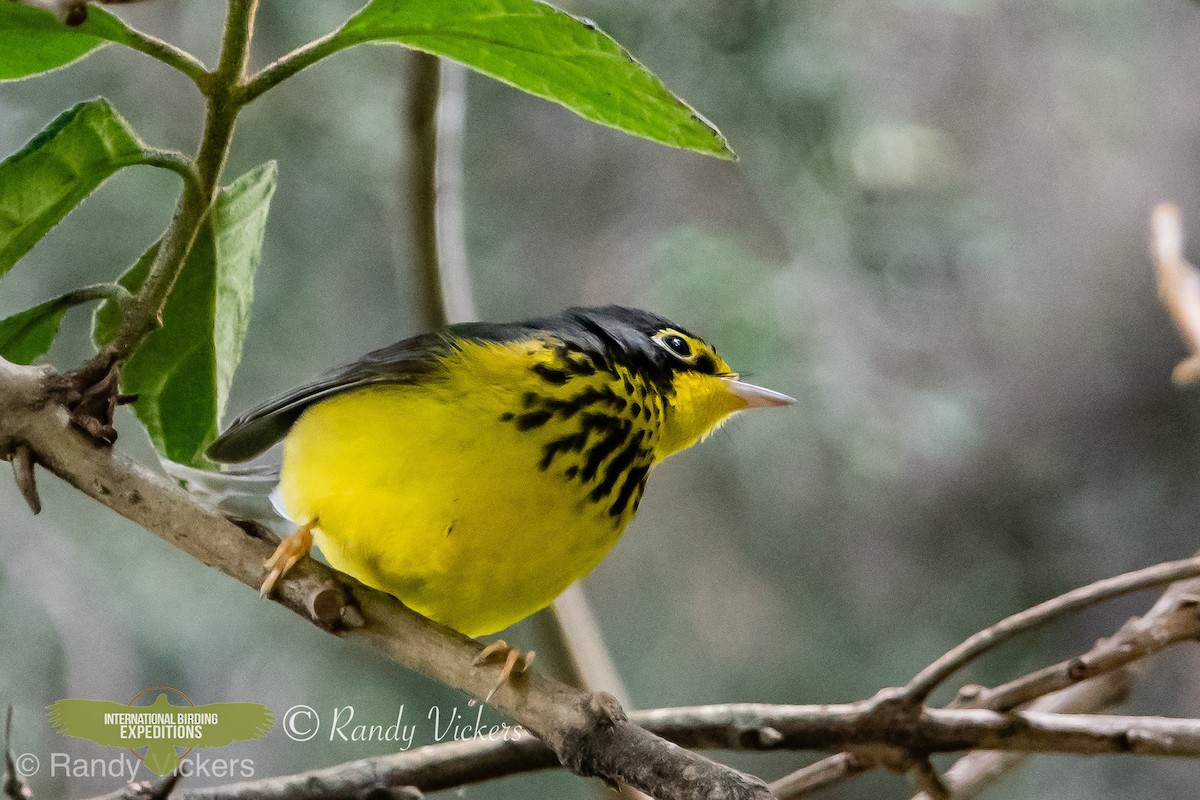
[(677, 345)]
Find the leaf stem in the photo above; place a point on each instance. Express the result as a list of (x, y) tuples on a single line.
[(221, 87), (289, 64), (97, 291), (174, 161), (165, 52)]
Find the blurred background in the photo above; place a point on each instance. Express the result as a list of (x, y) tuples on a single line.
[(935, 238)]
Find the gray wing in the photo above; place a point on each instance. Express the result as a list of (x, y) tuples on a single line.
[(258, 429)]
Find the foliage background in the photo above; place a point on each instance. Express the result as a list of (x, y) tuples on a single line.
[(935, 238)]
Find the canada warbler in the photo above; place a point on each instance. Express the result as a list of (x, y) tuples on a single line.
[(477, 471)]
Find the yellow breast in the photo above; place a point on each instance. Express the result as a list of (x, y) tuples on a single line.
[(479, 494)]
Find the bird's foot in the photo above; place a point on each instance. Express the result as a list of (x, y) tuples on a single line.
[(515, 662), (290, 550)]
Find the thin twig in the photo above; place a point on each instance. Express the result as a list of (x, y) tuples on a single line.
[(420, 185), (163, 789), (919, 688), (1095, 680), (818, 775), (584, 644), (1173, 619), (578, 635), (166, 789), (434, 115), (976, 771), (451, 210)]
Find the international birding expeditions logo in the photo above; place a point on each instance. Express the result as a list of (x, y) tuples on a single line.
[(161, 726)]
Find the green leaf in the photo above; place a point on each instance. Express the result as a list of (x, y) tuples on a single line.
[(29, 334), (33, 40), (57, 169), (181, 372), (545, 52)]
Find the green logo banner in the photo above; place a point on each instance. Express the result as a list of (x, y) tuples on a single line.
[(161, 727)]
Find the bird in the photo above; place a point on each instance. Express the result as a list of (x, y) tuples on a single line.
[(476, 471)]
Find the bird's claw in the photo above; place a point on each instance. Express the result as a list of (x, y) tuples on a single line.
[(290, 550), (515, 662)]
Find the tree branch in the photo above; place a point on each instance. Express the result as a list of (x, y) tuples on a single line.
[(1175, 617), (23, 476), (869, 725), (808, 779), (919, 688), (451, 213), (576, 628), (420, 184), (1095, 680), (592, 737), (976, 771)]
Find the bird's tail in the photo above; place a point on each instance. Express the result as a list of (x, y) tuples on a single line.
[(244, 492)]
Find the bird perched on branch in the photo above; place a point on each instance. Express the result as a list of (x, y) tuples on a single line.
[(477, 471)]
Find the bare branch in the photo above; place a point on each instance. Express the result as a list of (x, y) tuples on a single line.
[(976, 771), (919, 688), (1174, 618), (435, 116), (420, 183), (870, 725), (819, 774), (352, 785), (584, 644), (451, 223)]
